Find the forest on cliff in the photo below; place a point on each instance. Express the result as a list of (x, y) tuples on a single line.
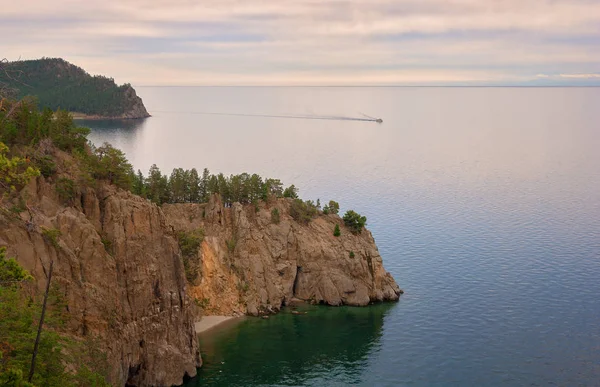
[(58, 84)]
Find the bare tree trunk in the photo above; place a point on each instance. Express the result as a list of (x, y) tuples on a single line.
[(39, 332)]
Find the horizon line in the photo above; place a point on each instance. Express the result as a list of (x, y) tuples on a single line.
[(391, 86)]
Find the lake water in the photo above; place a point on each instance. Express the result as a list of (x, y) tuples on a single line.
[(484, 202)]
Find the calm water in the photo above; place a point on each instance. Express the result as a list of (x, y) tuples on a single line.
[(485, 204)]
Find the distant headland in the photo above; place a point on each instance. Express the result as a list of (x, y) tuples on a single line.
[(58, 84)]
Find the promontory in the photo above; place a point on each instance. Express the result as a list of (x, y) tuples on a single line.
[(137, 260), (58, 84)]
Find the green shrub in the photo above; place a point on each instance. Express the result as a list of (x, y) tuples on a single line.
[(291, 192), (111, 164), (275, 218), (19, 207), (46, 165), (354, 221), (108, 246), (351, 254), (65, 189), (20, 315), (336, 231), (15, 172), (189, 243), (334, 207), (13, 377), (203, 303), (230, 245), (10, 270), (303, 212), (51, 236)]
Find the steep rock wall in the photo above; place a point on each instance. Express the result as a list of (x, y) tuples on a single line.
[(118, 265), (249, 265)]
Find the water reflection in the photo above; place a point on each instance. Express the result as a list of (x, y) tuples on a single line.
[(123, 134), (287, 349)]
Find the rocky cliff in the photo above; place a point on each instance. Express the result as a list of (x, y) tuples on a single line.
[(118, 265), (247, 264), (135, 106), (120, 270)]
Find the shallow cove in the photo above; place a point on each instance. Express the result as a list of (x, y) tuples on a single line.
[(324, 346)]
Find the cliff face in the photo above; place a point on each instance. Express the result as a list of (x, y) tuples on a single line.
[(135, 106), (248, 264), (118, 265)]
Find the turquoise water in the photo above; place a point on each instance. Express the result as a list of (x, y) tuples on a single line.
[(485, 205), (322, 347)]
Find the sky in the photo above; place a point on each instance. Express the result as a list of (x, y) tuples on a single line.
[(310, 42)]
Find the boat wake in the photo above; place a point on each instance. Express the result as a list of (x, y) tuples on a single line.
[(298, 116)]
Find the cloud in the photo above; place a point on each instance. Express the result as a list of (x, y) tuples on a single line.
[(311, 41), (580, 76)]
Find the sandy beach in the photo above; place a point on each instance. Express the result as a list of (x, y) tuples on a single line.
[(209, 322)]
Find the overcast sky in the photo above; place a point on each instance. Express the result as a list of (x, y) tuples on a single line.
[(309, 42)]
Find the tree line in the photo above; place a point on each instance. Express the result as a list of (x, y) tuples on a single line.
[(29, 129), (189, 186)]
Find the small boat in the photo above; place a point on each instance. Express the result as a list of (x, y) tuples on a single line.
[(369, 118)]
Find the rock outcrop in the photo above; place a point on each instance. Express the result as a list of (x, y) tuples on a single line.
[(118, 264), (135, 106), (249, 265)]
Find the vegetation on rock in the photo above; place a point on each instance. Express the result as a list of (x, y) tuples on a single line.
[(275, 217), (51, 235), (57, 84), (291, 192), (332, 208), (354, 221), (35, 131), (14, 171), (336, 231), (19, 314), (303, 212), (189, 243)]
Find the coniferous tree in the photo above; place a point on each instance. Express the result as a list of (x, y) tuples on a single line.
[(354, 221), (139, 184), (204, 185), (113, 166), (334, 207), (291, 192), (194, 186), (336, 231), (156, 185)]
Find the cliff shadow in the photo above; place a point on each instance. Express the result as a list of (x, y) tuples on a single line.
[(116, 132), (293, 349)]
